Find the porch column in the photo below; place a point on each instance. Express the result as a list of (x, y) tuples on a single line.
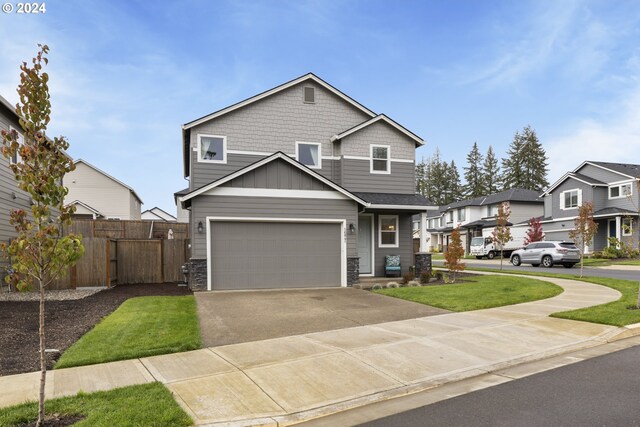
[(423, 232), (618, 227)]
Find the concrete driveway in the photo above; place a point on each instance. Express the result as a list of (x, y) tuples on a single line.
[(231, 317)]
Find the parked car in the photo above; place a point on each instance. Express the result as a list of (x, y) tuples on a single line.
[(547, 253)]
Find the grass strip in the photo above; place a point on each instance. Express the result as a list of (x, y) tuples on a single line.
[(138, 405), (140, 327), (615, 313), (477, 293)]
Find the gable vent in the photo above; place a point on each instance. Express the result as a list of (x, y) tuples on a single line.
[(309, 95)]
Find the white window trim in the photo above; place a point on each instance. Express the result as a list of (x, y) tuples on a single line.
[(397, 232), (224, 148), (619, 186), (388, 147), (562, 205), (626, 232), (464, 214), (317, 144)]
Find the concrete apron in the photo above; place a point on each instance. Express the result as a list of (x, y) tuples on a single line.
[(287, 380)]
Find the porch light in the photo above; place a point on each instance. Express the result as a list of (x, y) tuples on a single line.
[(352, 228), (200, 227)]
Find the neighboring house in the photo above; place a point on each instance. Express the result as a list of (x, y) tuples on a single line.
[(473, 215), (613, 190), (157, 214), (84, 211), (11, 197), (95, 192), (299, 186)]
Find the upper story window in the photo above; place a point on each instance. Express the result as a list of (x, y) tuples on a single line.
[(462, 216), (388, 231), (309, 154), (309, 95), (570, 199), (380, 159), (492, 210), (212, 148), (627, 226), (16, 157), (618, 191), (450, 216)]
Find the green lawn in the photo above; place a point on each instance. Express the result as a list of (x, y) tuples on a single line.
[(143, 326), (615, 313), (598, 262), (477, 292), (139, 405)]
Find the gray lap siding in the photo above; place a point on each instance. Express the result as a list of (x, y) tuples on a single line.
[(405, 244), (356, 176), (269, 207)]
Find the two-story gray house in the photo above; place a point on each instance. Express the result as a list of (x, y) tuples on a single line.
[(613, 190), (11, 197), (299, 186), (475, 214)]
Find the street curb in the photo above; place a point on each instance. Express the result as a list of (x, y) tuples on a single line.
[(431, 383)]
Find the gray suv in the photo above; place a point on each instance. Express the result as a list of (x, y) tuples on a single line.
[(547, 253)]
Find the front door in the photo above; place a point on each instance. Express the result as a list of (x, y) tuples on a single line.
[(612, 230), (364, 243)]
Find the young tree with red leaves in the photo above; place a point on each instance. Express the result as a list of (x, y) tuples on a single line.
[(40, 253), (534, 233), (454, 254), (584, 231)]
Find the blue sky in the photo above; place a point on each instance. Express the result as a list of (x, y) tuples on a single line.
[(126, 74)]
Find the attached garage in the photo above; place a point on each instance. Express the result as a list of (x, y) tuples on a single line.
[(281, 253)]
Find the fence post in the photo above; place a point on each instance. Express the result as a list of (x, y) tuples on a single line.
[(108, 255)]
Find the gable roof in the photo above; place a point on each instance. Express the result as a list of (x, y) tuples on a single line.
[(264, 161), (380, 117), (84, 162), (511, 195), (625, 169), (160, 214), (86, 206)]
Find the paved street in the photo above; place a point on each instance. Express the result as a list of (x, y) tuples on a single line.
[(602, 391), (622, 272)]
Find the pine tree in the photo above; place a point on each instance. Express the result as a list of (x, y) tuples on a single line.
[(512, 165), (452, 188), (490, 173), (526, 164), (421, 183), (473, 173)]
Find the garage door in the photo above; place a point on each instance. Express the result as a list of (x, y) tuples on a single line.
[(263, 255)]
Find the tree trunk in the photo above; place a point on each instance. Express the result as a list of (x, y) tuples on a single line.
[(43, 362)]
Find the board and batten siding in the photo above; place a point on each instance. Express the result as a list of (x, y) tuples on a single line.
[(100, 192), (405, 243), (269, 207), (356, 176), (278, 174)]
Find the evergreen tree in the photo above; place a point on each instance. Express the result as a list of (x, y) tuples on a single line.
[(473, 173), (490, 173), (452, 188), (526, 165), (421, 182)]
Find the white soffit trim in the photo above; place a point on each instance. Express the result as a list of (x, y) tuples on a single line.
[(309, 76), (269, 192), (369, 158), (278, 155), (379, 117), (405, 207)]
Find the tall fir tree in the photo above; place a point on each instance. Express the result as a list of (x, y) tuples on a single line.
[(473, 173), (526, 164), (421, 174), (452, 188), (491, 182)]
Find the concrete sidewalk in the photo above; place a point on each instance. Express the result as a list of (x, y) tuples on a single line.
[(285, 380)]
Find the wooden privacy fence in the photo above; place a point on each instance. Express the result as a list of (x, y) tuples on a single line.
[(107, 262), (125, 229)]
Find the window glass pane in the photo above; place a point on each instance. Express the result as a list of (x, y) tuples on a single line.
[(379, 165), (615, 191), (380, 153), (626, 189), (387, 224), (387, 238), (308, 154), (211, 148)]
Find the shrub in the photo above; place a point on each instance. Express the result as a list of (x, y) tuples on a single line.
[(407, 277), (376, 287), (439, 275), (425, 276), (392, 285), (413, 283)]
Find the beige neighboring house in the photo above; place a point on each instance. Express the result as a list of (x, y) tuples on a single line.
[(96, 194), (157, 214)]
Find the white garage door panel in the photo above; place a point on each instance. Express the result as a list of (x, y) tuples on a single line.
[(263, 255)]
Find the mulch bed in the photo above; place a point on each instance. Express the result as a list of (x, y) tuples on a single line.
[(65, 323)]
